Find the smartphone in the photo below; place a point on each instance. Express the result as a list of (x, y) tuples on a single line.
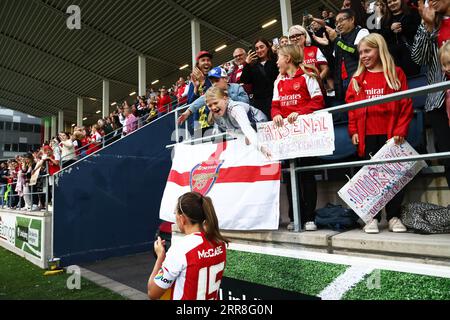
[(276, 42), (426, 5)]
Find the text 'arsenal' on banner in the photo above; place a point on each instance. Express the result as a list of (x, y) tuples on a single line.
[(310, 135)]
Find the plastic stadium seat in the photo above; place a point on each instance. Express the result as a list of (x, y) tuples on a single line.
[(343, 143)]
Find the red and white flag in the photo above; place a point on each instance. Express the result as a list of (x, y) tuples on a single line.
[(244, 188)]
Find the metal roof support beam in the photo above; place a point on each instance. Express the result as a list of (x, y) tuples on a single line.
[(51, 56), (142, 74), (286, 16), (46, 126), (43, 82), (105, 35), (105, 100), (60, 120), (79, 111), (195, 41), (206, 24)]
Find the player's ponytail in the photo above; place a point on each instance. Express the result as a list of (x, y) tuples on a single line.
[(200, 210), (211, 224)]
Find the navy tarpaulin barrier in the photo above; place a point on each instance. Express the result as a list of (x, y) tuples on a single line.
[(108, 204)]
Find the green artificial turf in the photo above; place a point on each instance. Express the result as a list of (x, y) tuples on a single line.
[(307, 277), (401, 286), (21, 280)]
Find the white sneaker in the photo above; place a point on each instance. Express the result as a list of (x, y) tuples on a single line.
[(310, 226), (290, 226), (372, 227), (34, 208), (396, 225)]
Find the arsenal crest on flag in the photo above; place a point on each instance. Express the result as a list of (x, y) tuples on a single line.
[(243, 186)]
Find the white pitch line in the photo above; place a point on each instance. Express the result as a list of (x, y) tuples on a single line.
[(399, 266), (343, 283)]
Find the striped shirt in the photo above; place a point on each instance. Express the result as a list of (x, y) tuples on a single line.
[(425, 52)]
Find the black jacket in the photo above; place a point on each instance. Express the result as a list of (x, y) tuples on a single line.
[(261, 78)]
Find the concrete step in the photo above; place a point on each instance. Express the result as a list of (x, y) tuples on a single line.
[(386, 245)]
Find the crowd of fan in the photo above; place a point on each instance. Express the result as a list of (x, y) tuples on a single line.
[(329, 43)]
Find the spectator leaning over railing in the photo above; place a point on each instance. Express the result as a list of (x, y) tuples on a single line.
[(219, 78), (433, 32), (297, 92), (233, 116), (261, 72), (371, 127)]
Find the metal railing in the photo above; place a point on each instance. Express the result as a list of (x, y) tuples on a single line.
[(344, 108)]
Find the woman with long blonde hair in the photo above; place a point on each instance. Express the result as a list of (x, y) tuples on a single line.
[(371, 127), (297, 92)]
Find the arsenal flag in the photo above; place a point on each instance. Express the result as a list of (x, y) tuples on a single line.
[(244, 187)]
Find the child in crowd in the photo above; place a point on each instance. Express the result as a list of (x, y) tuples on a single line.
[(371, 127), (297, 92)]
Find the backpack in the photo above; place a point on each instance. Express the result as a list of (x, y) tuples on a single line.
[(426, 218), (336, 217)]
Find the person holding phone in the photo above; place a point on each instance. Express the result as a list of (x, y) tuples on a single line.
[(261, 71), (193, 267)]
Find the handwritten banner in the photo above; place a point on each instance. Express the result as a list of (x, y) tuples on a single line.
[(375, 185), (311, 135)]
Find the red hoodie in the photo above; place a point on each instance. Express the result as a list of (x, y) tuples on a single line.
[(393, 117), (300, 93)]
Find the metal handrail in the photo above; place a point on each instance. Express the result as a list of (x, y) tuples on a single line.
[(353, 164), (389, 98)]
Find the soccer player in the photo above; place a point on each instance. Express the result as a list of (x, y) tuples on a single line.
[(193, 267)]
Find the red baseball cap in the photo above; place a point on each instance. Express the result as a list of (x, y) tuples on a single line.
[(203, 54)]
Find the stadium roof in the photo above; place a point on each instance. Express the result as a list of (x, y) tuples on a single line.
[(44, 66)]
